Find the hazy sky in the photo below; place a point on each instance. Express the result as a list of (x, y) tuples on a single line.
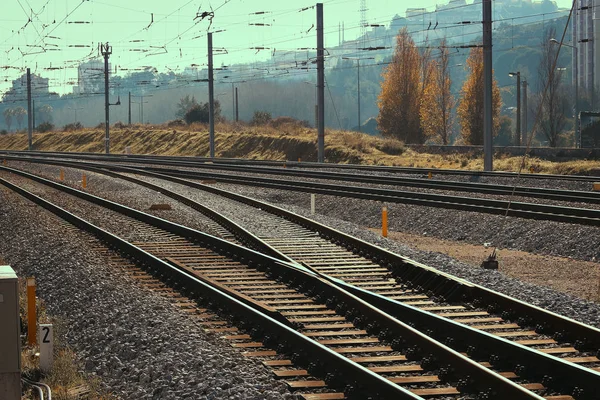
[(58, 34)]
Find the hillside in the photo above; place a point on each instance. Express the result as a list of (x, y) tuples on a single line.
[(286, 142)]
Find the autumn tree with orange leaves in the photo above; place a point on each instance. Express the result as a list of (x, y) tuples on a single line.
[(438, 101), (470, 106), (401, 92)]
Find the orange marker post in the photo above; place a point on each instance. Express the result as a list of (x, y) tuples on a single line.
[(84, 181), (384, 222), (4, 162), (430, 175), (62, 175), (31, 313)]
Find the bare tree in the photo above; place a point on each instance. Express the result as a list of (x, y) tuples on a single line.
[(20, 114), (554, 99), (8, 117), (437, 101)]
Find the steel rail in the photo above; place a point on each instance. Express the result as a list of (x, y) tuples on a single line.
[(442, 284), (494, 189), (574, 215), (481, 379), (305, 164), (532, 364), (498, 207), (308, 164), (193, 287)]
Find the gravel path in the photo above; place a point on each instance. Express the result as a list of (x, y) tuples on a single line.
[(135, 340)]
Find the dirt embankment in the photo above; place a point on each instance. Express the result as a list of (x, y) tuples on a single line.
[(284, 142), (290, 143)]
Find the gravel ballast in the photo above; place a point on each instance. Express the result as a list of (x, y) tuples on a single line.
[(140, 345), (352, 216)]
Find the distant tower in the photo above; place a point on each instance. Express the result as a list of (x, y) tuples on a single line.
[(363, 21)]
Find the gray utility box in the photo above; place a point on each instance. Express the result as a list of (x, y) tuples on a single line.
[(10, 342)]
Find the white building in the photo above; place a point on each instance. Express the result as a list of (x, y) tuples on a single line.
[(91, 76), (586, 29)]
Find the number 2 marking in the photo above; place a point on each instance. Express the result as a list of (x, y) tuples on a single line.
[(45, 339)]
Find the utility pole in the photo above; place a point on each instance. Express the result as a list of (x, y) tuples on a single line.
[(129, 119), (29, 130), (232, 102), (518, 125), (237, 109), (320, 84), (358, 83), (358, 86), (142, 109), (524, 119), (33, 114), (211, 105), (488, 145), (106, 51)]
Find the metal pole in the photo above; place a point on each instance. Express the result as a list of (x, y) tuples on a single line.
[(106, 51), (211, 105), (518, 109), (487, 86), (129, 119), (237, 110), (232, 102), (142, 109), (577, 126), (321, 84), (358, 84), (29, 130), (524, 120), (33, 114)]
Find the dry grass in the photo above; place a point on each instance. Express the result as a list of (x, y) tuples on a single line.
[(286, 141)]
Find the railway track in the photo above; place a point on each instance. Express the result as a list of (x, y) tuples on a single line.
[(316, 328), (489, 206), (470, 187), (364, 273), (315, 165)]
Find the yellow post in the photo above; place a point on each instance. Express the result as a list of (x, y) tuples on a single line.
[(384, 222), (62, 175), (84, 181), (430, 175), (31, 313), (299, 159)]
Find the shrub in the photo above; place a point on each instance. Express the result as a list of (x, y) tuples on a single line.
[(74, 126), (3, 132), (119, 125), (199, 113), (45, 127), (277, 122), (390, 146), (261, 118), (175, 122)]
